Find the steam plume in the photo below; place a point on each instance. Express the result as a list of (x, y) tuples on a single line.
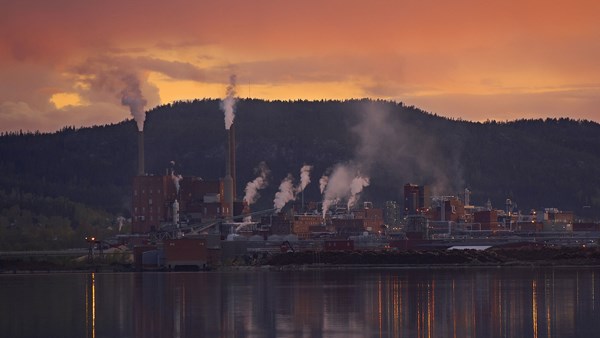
[(326, 205), (131, 96), (323, 183), (396, 150), (358, 183), (258, 183), (285, 194), (228, 103), (344, 183), (304, 178), (119, 77), (176, 179), (338, 186)]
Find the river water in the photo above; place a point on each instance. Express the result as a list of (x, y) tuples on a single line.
[(454, 302)]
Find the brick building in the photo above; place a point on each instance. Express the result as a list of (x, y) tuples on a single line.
[(153, 198), (302, 224), (487, 219), (372, 218), (416, 199)]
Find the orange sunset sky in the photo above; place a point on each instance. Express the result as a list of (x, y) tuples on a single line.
[(62, 61)]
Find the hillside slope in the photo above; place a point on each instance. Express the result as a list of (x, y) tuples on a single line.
[(536, 163)]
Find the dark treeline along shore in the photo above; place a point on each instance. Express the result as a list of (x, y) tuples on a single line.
[(57, 187)]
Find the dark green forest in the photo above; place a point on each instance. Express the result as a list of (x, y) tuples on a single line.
[(60, 185)]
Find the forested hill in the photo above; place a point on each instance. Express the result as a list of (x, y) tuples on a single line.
[(536, 163)]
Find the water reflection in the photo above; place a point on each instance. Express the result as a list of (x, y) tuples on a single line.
[(359, 303), (518, 302), (90, 306)]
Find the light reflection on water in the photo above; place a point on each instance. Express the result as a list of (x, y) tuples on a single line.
[(460, 302)]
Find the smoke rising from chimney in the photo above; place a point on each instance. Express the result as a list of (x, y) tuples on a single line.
[(323, 183), (395, 150), (107, 78), (176, 179), (285, 194), (258, 183), (356, 187), (304, 178), (344, 183), (228, 103), (131, 96)]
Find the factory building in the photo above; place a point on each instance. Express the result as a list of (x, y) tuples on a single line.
[(486, 219), (556, 216), (201, 252), (449, 209), (281, 223), (303, 224), (416, 199), (372, 217), (392, 214), (154, 198), (346, 227), (158, 200)]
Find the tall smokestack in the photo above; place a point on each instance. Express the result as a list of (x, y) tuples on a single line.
[(228, 107), (141, 170), (232, 159), (228, 181)]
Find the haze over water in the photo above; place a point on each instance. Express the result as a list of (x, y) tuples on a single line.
[(484, 302)]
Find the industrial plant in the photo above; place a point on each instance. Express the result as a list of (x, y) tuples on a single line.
[(182, 222)]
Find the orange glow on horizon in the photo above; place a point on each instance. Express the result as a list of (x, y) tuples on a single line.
[(61, 100), (496, 59)]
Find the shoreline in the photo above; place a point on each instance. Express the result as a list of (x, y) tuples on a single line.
[(566, 257), (311, 267)]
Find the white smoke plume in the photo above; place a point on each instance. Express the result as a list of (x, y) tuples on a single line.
[(395, 150), (304, 178), (338, 186), (326, 205), (323, 183), (228, 103), (285, 194), (356, 187), (176, 179), (131, 96), (257, 184), (107, 79)]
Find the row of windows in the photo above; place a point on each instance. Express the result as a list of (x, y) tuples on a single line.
[(135, 192), (151, 209)]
